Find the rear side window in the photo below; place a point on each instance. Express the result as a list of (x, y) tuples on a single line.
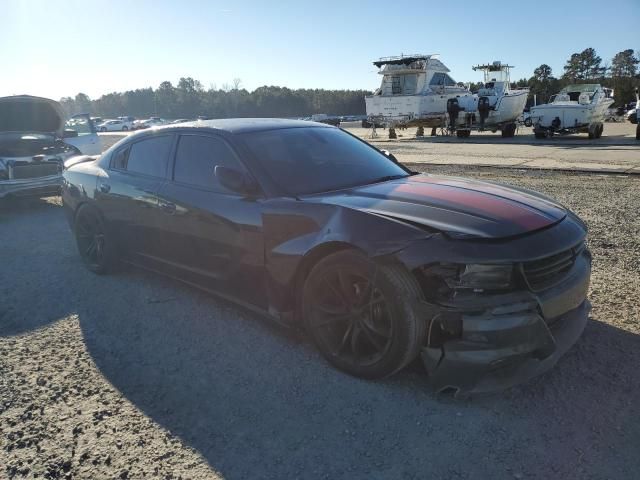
[(150, 156), (196, 158)]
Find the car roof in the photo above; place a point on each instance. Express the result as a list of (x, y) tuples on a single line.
[(243, 125)]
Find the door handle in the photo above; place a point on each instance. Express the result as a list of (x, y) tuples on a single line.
[(167, 207), (104, 187)]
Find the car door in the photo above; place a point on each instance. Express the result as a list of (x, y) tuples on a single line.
[(213, 236), (127, 195), (80, 132)]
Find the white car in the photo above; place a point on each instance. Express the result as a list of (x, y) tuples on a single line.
[(80, 132), (149, 122), (114, 126)]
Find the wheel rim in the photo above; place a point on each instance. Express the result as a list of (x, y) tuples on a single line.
[(350, 316), (91, 239)]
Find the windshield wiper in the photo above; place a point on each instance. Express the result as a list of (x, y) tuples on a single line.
[(389, 177)]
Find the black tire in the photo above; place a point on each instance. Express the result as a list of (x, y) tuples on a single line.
[(600, 130), (528, 122), (539, 134), (103, 129), (509, 130), (125, 128), (361, 315), (463, 133), (638, 131), (95, 246)]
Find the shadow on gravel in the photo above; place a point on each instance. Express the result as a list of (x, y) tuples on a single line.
[(252, 398), (30, 236)]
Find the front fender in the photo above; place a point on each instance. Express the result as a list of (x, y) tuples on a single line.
[(294, 229)]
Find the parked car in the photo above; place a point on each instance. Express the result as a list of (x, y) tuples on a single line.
[(114, 126), (312, 226), (324, 118), (34, 144), (150, 122), (80, 132)]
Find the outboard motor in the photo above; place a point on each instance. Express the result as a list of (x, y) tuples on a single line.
[(453, 109), (483, 109)]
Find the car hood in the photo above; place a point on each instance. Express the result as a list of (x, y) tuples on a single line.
[(461, 207), (27, 114)]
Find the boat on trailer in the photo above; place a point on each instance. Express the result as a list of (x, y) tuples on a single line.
[(417, 90), (578, 108), (495, 106)]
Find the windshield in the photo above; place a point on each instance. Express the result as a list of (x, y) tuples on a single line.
[(303, 161)]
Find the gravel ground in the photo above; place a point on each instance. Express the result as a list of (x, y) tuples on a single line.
[(135, 376)]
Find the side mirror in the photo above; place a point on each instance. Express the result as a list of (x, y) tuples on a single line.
[(390, 156), (235, 180), (69, 133)]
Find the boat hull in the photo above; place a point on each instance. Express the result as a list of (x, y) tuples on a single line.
[(431, 110), (571, 116), (411, 110)]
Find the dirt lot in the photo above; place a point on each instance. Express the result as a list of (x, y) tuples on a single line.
[(135, 376)]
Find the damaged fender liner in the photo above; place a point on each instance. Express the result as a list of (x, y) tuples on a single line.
[(510, 344)]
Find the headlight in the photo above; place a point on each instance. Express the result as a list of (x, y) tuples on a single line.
[(485, 277)]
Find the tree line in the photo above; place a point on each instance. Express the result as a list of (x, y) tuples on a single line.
[(189, 98)]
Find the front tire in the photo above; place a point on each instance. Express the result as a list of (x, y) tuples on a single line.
[(124, 129), (362, 316), (95, 245)]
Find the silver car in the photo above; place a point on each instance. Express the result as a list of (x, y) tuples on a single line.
[(33, 146)]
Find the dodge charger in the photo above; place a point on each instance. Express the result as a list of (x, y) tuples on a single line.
[(317, 229)]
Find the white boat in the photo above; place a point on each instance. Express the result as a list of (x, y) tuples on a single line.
[(413, 92), (417, 90), (578, 108), (496, 106)]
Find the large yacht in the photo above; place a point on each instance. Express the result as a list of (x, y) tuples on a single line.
[(414, 91)]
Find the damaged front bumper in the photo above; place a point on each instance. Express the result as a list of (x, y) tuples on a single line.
[(507, 339)]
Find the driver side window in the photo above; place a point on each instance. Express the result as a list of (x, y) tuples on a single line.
[(196, 159)]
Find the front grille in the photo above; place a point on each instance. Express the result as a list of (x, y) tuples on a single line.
[(34, 170), (546, 272)]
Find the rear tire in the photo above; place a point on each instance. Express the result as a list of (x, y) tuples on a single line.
[(124, 129), (361, 315), (509, 130), (95, 245)]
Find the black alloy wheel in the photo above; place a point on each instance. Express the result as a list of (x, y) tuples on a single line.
[(92, 240), (360, 315)]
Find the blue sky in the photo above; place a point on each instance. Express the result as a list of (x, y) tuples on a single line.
[(59, 48)]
